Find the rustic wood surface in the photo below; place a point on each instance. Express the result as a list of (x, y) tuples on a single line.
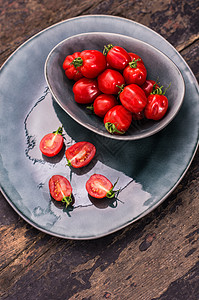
[(154, 258)]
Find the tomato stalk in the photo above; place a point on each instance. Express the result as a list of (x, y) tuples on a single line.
[(133, 63), (112, 193), (77, 62), (91, 107), (59, 130), (67, 200), (107, 49), (159, 91), (111, 128)]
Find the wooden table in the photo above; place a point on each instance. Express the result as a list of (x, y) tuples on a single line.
[(155, 258)]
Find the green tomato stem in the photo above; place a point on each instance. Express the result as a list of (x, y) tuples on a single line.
[(111, 128), (133, 63), (107, 49), (77, 62), (59, 130), (67, 200)]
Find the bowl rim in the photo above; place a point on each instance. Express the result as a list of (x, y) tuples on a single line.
[(125, 137)]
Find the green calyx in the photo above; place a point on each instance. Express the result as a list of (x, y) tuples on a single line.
[(77, 62), (112, 193), (91, 108), (121, 87), (133, 63), (111, 128), (107, 49), (67, 200), (59, 130), (159, 91)]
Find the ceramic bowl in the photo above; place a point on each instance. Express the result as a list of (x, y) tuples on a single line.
[(158, 66)]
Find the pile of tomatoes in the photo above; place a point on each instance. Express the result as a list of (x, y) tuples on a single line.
[(115, 86)]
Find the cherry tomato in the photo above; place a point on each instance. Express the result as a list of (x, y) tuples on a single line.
[(109, 81), (90, 62), (149, 86), (117, 120), (80, 154), (134, 56), (85, 90), (60, 189), (135, 72), (133, 98), (52, 143), (72, 72), (156, 107), (139, 116), (116, 56), (103, 103), (98, 186)]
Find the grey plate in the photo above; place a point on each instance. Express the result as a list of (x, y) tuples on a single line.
[(148, 169), (155, 62)]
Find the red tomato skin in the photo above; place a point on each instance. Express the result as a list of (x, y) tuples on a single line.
[(148, 87), (94, 63), (86, 152), (51, 149), (118, 58), (156, 107), (58, 183), (85, 90), (133, 98), (71, 72), (134, 56), (94, 183), (103, 103), (135, 75), (120, 117), (109, 80)]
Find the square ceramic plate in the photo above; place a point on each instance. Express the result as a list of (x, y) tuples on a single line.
[(148, 169)]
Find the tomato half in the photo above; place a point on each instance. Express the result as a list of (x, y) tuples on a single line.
[(52, 143), (103, 103), (117, 120), (91, 63), (116, 56), (60, 189), (72, 72), (98, 186), (133, 98), (135, 72), (109, 81), (80, 154), (85, 90), (156, 107)]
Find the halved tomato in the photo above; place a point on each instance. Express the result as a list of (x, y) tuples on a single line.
[(60, 189), (98, 186), (80, 154), (52, 143)]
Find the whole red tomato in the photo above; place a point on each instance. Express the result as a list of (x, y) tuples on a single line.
[(103, 103), (134, 56), (116, 56), (117, 120), (72, 72), (90, 62), (149, 86), (86, 90), (133, 98), (156, 107), (135, 72), (109, 81)]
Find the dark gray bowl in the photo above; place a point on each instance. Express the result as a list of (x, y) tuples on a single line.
[(158, 65)]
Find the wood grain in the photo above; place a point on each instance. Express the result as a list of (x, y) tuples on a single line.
[(154, 258)]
